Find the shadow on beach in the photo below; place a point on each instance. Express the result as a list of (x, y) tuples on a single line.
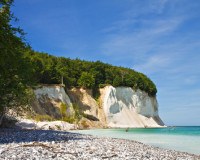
[(19, 136)]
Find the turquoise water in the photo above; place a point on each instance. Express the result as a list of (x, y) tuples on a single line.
[(186, 139)]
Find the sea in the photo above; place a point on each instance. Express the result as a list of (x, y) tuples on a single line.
[(180, 138)]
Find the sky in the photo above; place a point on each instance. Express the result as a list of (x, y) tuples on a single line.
[(160, 38)]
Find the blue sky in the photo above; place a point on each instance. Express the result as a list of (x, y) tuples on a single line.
[(160, 38)]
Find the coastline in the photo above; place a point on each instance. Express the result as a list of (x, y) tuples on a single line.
[(49, 144), (181, 139)]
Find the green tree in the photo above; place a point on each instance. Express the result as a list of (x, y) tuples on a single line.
[(49, 69), (86, 80), (13, 63), (117, 81)]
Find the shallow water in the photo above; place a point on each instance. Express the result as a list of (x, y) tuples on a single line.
[(186, 139)]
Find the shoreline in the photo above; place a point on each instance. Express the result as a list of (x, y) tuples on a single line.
[(49, 144), (173, 139)]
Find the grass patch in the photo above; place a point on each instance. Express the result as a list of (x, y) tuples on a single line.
[(39, 117)]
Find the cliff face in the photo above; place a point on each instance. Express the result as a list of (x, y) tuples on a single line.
[(125, 107), (49, 100), (116, 107), (55, 93), (89, 106)]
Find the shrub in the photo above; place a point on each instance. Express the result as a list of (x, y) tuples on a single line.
[(63, 109), (68, 119), (39, 117), (103, 85), (78, 114)]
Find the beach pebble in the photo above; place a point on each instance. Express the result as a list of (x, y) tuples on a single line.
[(49, 144)]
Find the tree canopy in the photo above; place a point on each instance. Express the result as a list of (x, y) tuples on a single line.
[(14, 65), (81, 73)]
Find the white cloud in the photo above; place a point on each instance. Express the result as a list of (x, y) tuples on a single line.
[(191, 80), (158, 6), (154, 64), (139, 43)]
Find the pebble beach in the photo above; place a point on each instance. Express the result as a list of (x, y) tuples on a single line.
[(48, 144)]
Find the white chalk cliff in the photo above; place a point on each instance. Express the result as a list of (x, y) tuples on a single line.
[(54, 93), (117, 107), (125, 107), (49, 99)]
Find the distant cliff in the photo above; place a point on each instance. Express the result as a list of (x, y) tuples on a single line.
[(115, 107)]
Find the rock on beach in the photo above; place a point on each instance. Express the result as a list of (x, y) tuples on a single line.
[(49, 144)]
